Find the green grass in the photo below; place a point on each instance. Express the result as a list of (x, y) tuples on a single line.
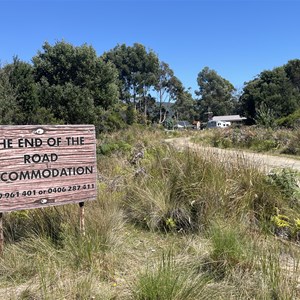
[(169, 279)]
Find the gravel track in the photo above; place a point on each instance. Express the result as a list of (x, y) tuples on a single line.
[(263, 161)]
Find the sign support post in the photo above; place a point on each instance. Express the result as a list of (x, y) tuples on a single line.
[(1, 234), (81, 219)]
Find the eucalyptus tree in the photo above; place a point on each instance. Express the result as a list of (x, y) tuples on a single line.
[(73, 82), (148, 78), (120, 57), (185, 106), (168, 87), (138, 69), (215, 93)]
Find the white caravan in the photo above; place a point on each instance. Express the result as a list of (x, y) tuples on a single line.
[(217, 124)]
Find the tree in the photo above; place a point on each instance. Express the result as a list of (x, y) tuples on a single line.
[(9, 109), (272, 90), (292, 69), (73, 82), (138, 69), (120, 57), (215, 93), (265, 116), (20, 76), (148, 79), (185, 106), (168, 88)]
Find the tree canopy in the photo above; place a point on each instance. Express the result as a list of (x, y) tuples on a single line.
[(137, 69), (67, 84), (73, 82), (277, 90), (215, 93)]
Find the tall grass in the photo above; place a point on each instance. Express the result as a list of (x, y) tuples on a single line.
[(214, 213), (171, 280), (274, 272), (230, 249), (186, 191), (72, 269)]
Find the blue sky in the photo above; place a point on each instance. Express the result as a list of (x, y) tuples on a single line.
[(238, 39)]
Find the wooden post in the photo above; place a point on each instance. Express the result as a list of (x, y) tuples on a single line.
[(1, 234), (81, 218)]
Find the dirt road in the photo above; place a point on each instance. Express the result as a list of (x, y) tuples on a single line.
[(263, 161)]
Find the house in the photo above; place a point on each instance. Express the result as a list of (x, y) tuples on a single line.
[(229, 118), (224, 121)]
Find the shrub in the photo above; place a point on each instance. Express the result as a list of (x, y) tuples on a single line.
[(254, 138), (287, 180), (293, 145), (109, 148), (263, 145), (290, 121)]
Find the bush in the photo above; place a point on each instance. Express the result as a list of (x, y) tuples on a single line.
[(263, 145), (290, 121), (293, 145), (109, 148)]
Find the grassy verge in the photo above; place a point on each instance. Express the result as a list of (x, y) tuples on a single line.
[(166, 224), (282, 141)]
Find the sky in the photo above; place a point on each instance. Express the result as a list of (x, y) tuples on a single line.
[(236, 38)]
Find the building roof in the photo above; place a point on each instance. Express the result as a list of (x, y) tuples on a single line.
[(230, 118)]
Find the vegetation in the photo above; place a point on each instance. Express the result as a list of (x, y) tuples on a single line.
[(216, 94), (67, 84), (277, 141), (277, 90), (167, 224)]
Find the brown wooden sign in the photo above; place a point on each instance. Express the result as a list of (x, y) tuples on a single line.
[(46, 165)]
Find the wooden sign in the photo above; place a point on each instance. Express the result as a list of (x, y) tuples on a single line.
[(46, 165)]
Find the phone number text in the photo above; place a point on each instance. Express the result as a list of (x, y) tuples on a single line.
[(51, 190)]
